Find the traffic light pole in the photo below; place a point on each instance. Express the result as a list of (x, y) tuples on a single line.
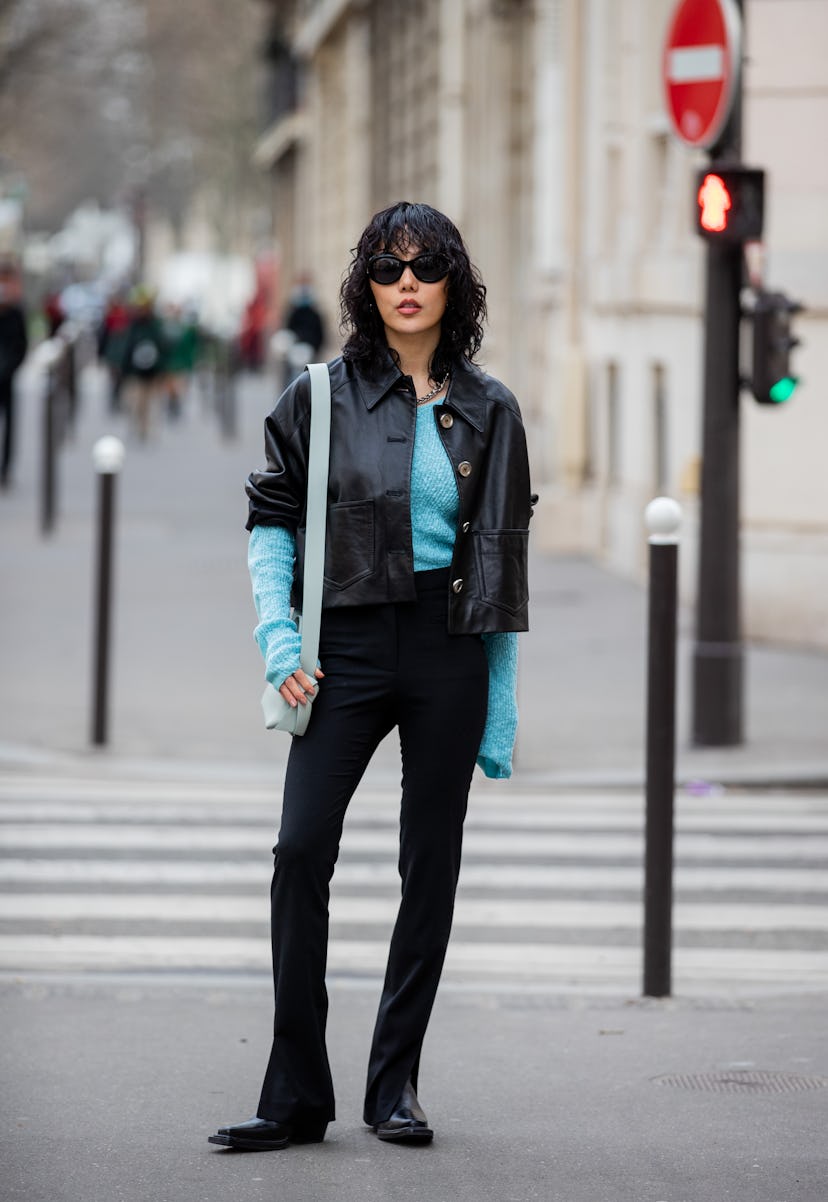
[(717, 662), (717, 655)]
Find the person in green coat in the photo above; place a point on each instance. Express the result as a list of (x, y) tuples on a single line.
[(181, 339)]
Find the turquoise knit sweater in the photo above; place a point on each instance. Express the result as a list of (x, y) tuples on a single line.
[(434, 512)]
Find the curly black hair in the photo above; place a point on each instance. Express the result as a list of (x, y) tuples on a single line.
[(396, 229)]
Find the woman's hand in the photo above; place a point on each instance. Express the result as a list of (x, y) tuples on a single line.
[(296, 687)]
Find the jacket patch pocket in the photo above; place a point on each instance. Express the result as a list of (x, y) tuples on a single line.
[(349, 543), (502, 565)]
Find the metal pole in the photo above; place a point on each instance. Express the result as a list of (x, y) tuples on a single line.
[(108, 454), (106, 498), (663, 517), (717, 662), (47, 472), (72, 382), (717, 656)]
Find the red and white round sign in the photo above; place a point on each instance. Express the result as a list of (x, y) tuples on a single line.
[(702, 56)]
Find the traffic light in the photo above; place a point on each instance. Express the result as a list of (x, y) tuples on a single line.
[(772, 381), (730, 202)]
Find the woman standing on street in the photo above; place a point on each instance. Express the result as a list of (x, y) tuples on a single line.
[(425, 588)]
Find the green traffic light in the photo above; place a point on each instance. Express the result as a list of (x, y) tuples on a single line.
[(783, 389)]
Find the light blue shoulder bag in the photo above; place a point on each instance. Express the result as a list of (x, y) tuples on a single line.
[(279, 715)]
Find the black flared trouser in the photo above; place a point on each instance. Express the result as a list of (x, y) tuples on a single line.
[(385, 666)]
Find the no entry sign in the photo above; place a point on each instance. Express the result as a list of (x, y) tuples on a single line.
[(702, 55)]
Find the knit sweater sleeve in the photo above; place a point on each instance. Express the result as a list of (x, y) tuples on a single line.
[(497, 745), (270, 557)]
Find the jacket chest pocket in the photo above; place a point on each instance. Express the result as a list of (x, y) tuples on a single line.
[(501, 558), (349, 543)]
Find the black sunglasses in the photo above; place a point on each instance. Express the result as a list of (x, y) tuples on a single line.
[(428, 267)]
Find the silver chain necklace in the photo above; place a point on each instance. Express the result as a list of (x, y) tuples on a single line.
[(429, 396)]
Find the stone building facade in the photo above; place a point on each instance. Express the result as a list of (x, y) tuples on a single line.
[(538, 125)]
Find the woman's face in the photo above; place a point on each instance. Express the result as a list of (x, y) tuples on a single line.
[(410, 306)]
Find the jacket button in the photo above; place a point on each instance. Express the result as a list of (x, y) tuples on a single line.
[(465, 468), (457, 587), (446, 421), (465, 527)]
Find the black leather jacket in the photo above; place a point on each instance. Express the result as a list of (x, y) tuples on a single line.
[(369, 557)]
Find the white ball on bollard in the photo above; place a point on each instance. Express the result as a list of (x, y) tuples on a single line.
[(108, 454), (663, 519)]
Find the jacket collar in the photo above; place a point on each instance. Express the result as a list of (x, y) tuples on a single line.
[(466, 392), (375, 388)]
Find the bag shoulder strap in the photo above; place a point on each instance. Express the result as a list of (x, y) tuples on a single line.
[(317, 512)]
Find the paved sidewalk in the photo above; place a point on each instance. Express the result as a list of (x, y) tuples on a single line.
[(532, 1098), (187, 675)]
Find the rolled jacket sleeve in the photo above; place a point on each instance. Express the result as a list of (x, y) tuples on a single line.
[(277, 492)]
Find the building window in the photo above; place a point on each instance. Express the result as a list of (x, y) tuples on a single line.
[(591, 459), (661, 464), (406, 94), (613, 425), (661, 209), (612, 200)]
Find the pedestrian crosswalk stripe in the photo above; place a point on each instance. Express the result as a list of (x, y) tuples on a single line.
[(163, 880), (503, 799), (476, 841), (481, 961), (470, 912), (551, 817), (255, 874)]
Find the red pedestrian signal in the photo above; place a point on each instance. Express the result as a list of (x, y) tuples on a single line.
[(715, 203), (730, 201)]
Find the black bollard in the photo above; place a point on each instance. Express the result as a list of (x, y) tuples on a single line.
[(71, 354), (108, 455), (48, 468), (663, 517)]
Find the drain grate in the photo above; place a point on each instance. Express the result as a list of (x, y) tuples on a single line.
[(743, 1081)]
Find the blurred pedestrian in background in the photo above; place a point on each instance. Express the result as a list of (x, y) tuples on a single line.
[(53, 312), (303, 317), (112, 334), (251, 340), (181, 342), (144, 351), (13, 347), (303, 332), (425, 588)]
